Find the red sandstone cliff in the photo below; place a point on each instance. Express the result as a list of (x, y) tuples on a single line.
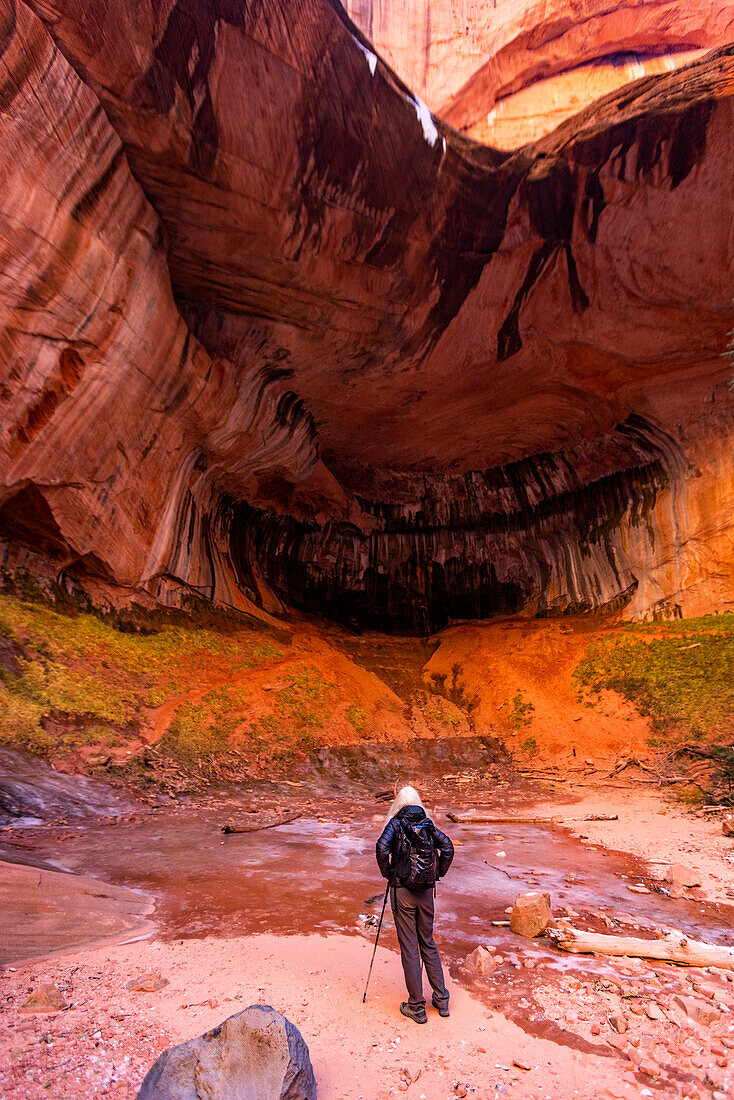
[(274, 333)]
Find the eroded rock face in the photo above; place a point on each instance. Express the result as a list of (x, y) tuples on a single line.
[(557, 533), (275, 335), (255, 1055)]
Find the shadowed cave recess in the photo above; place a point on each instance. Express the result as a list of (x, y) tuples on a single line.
[(529, 535)]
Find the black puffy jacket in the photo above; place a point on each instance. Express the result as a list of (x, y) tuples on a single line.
[(386, 848)]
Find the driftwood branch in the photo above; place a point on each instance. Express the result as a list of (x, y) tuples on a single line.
[(500, 869), (231, 827), (673, 947), (633, 762), (544, 777)]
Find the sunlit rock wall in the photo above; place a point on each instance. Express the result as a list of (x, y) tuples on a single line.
[(509, 71)]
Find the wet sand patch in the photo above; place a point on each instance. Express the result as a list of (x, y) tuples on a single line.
[(44, 911)]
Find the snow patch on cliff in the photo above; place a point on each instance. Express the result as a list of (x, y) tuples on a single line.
[(371, 57), (430, 133)]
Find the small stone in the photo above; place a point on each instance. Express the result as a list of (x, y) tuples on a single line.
[(459, 1089), (679, 876), (411, 1071), (45, 998), (638, 888), (530, 914), (520, 1064), (653, 1011), (700, 1011), (595, 1029), (618, 1023), (708, 989), (650, 1068), (481, 961), (147, 983), (727, 826)]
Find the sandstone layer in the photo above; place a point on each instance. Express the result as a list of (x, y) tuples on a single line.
[(275, 335)]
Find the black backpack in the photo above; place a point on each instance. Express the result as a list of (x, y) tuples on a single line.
[(416, 859)]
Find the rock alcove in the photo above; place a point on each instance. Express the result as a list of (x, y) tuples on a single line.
[(278, 336)]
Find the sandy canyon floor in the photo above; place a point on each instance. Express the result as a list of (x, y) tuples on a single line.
[(277, 917)]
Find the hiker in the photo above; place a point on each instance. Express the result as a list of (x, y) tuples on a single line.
[(413, 855)]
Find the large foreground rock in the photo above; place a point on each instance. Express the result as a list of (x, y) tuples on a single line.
[(255, 1055)]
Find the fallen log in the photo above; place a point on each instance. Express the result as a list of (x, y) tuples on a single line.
[(231, 827), (491, 819), (674, 947), (472, 818)]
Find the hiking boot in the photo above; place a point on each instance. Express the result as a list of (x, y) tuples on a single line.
[(442, 1007), (415, 1013)]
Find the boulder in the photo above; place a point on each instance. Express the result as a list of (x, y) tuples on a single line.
[(255, 1055), (530, 914), (727, 826)]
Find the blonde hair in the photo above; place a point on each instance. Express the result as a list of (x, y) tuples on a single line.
[(406, 796)]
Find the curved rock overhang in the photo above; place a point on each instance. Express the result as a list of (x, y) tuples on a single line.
[(276, 335)]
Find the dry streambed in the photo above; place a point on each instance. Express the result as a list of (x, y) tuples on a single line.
[(535, 1022)]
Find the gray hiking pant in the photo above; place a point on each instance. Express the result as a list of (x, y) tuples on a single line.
[(412, 912)]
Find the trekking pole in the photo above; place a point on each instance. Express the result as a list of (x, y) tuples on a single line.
[(379, 926)]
